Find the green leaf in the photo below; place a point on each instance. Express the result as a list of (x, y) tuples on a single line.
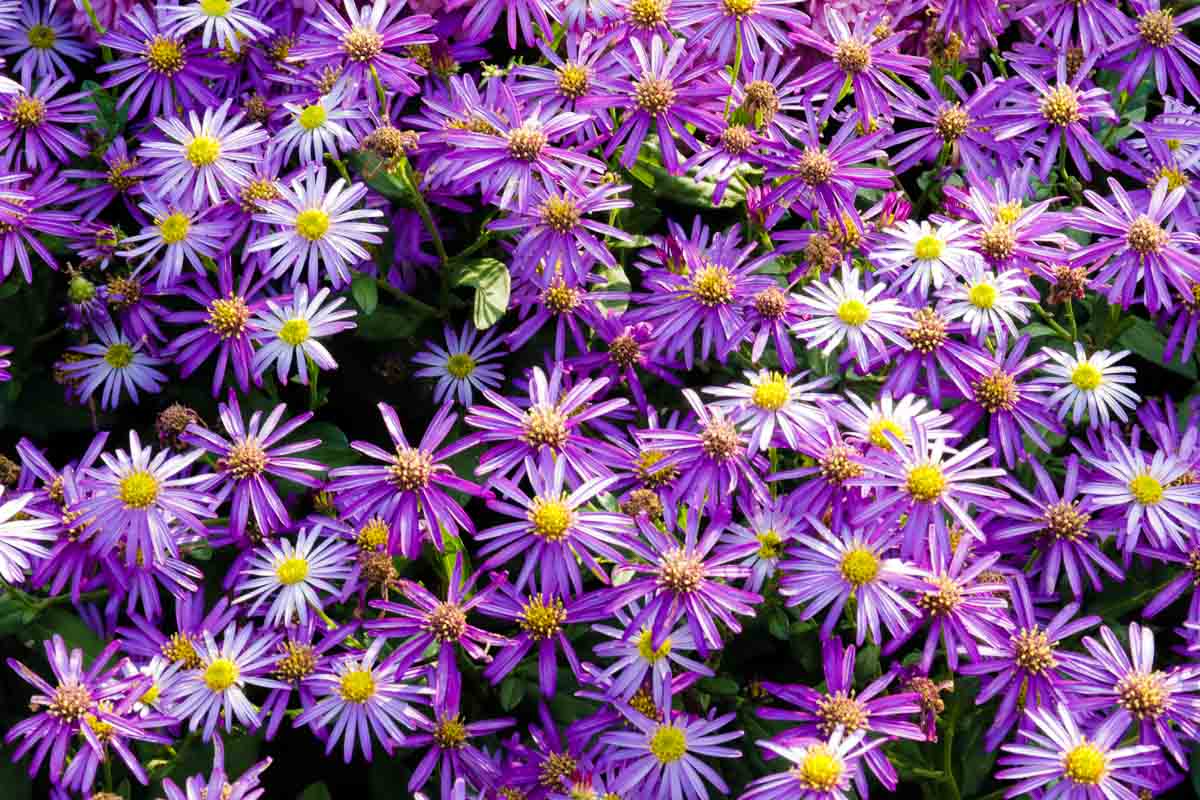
[(388, 323), (316, 791), (71, 628), (334, 450), (366, 293), (512, 692), (615, 280), (1148, 342), (685, 189), (1195, 770), (373, 170), (726, 687), (492, 288), (779, 625)]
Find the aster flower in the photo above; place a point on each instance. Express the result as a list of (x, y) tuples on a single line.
[(554, 535), (1132, 246), (956, 127), (208, 155), (684, 580), (364, 41), (1045, 118), (771, 401), (463, 365), (1061, 526), (662, 757), (320, 227), (840, 310), (992, 303), (158, 70), (35, 124), (451, 751), (1025, 668), (1095, 383), (769, 528), (1080, 766), (30, 214), (318, 127), (825, 485), (367, 697), (820, 770), (553, 422), (291, 332), (147, 638), (225, 23), (933, 357), (410, 492), (823, 573), (44, 37), (484, 18), (20, 539), (201, 787), (768, 316), (857, 57), (921, 255), (721, 23), (117, 365), (1097, 27), (290, 576), (111, 182), (1155, 40), (185, 234), (870, 423)]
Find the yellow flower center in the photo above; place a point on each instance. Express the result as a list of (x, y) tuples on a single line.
[(41, 36), (982, 295), (770, 545), (312, 224), (669, 744), (542, 620), (821, 770), (1086, 377), (1084, 763), (373, 535), (203, 150), (291, 570), (551, 519), (926, 483), (859, 566), (174, 228), (854, 312), (164, 55), (149, 697), (312, 117), (1146, 490), (876, 433), (772, 393), (739, 8), (712, 286), (460, 365), (573, 80), (118, 356), (138, 489), (357, 686), (294, 331), (220, 674), (647, 650), (215, 8), (1009, 212), (27, 112), (928, 247)]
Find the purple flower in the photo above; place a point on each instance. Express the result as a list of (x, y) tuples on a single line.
[(200, 787), (463, 365), (451, 751), (410, 489), (820, 770), (956, 127), (188, 233), (722, 23), (484, 17), (115, 364), (112, 181), (291, 333), (45, 39), (34, 125), (20, 539), (1096, 26)]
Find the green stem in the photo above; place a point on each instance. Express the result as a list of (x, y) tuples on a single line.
[(108, 783), (423, 210), (313, 399), (105, 53), (1071, 318), (341, 167), (737, 68), (379, 90), (406, 298), (1049, 319), (948, 751)]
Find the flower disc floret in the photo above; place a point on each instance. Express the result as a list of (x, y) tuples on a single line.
[(669, 744)]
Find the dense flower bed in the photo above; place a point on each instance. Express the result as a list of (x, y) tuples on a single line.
[(599, 399)]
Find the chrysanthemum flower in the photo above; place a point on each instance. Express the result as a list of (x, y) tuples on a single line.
[(451, 751), (771, 401), (463, 365), (45, 38), (365, 698), (991, 303), (25, 211), (870, 422), (290, 334), (117, 365), (216, 690), (291, 576), (839, 311), (637, 665), (209, 155), (956, 127), (318, 127), (186, 231), (819, 770), (768, 317), (36, 125), (410, 490), (554, 534), (921, 256), (1095, 383), (21, 539), (823, 573), (1157, 40), (1078, 765), (761, 542), (754, 23), (317, 227)]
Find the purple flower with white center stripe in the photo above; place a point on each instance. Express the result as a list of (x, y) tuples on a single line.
[(291, 575), (838, 311), (116, 364), (290, 334), (1091, 26), (957, 126), (820, 770), (410, 490), (253, 451), (25, 212), (188, 233), (771, 402)]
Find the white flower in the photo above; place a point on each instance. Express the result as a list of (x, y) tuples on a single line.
[(291, 575), (182, 232), (923, 254), (771, 399), (223, 20), (19, 539), (988, 302), (291, 333), (1094, 383), (315, 128), (870, 423), (841, 310)]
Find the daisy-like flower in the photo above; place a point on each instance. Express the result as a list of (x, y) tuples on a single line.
[(870, 423), (216, 690), (1097, 384), (208, 155), (955, 126), (680, 580), (317, 227), (1079, 765), (991, 303), (754, 23), (140, 500), (927, 480), (825, 571), (771, 401), (46, 40), (769, 529), (410, 491), (529, 16), (225, 23), (842, 311), (921, 255), (1157, 40), (21, 539), (25, 211), (177, 233), (36, 125), (636, 665), (464, 364), (554, 534), (201, 787), (662, 757), (253, 452), (319, 127), (1060, 526), (1150, 490), (818, 770), (112, 181), (291, 332), (451, 751), (365, 698), (1025, 665), (116, 364), (1134, 247), (291, 576)]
